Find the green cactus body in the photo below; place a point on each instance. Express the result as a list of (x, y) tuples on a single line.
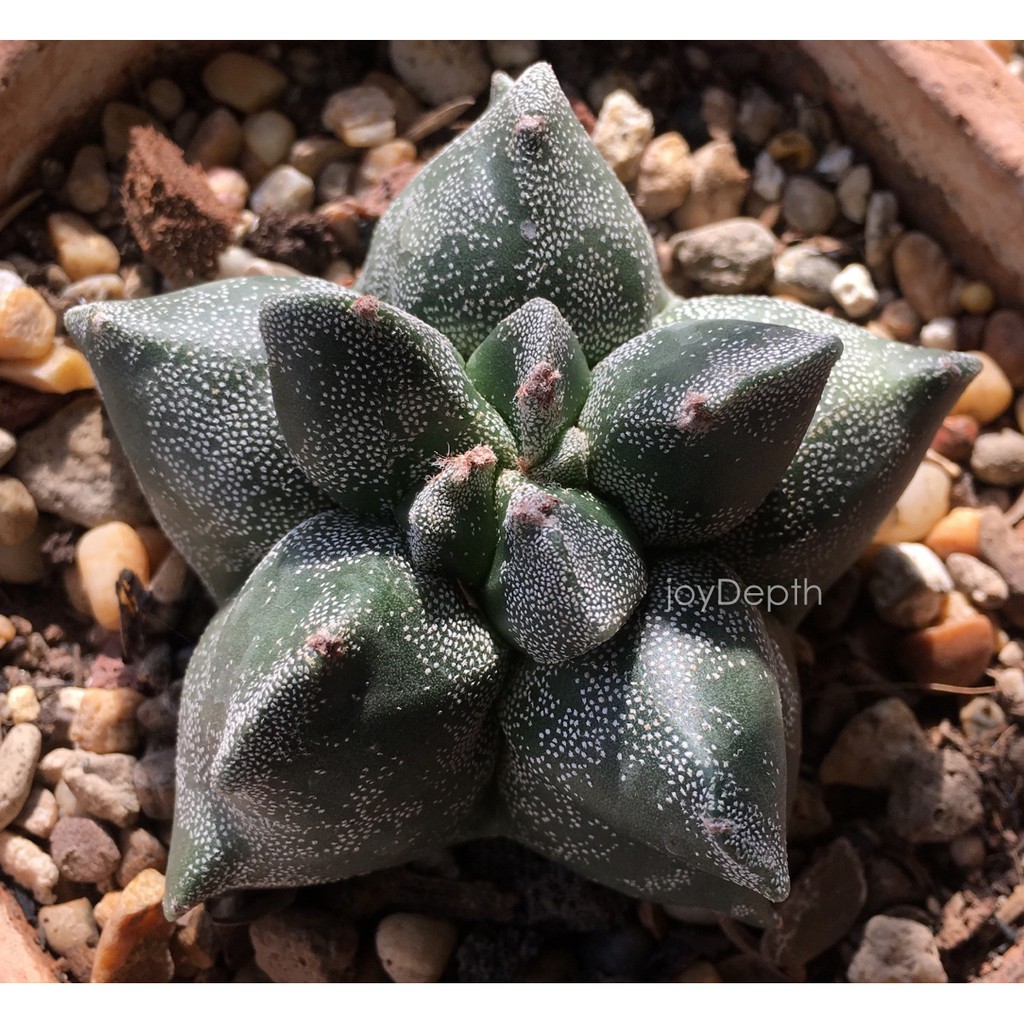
[(507, 622)]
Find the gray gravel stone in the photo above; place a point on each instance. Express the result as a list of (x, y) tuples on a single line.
[(728, 257), (154, 784), (440, 70), (284, 191), (807, 206), (102, 786), (998, 458), (853, 192), (74, 467), (83, 851), (984, 586), (805, 274), (908, 585), (894, 949), (935, 798)]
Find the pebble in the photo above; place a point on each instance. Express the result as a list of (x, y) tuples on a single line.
[(68, 926), (83, 850), (834, 162), (7, 631), (940, 333), (269, 136), (1003, 340), (1010, 688), (313, 153), (334, 182), (437, 71), (362, 117), (881, 230), (236, 261), (988, 395), (956, 652), (304, 945), (718, 112), (29, 866), (982, 719), (165, 98), (98, 288), (854, 290), (623, 130), (170, 582), (154, 784), (853, 192), (925, 275), (118, 121), (981, 583), (9, 279), (807, 206), (39, 813), (218, 140), (18, 515), (805, 274), (27, 324), (873, 745), (243, 82), (101, 555), (900, 320), (825, 902), (22, 563), (728, 257), (415, 948), (998, 458), (894, 949), (61, 371), (908, 585), (977, 298), (793, 149), (935, 798), (105, 721), (8, 446), (102, 786), (87, 186), (381, 160), (284, 191), (22, 704), (513, 54), (758, 115), (74, 468), (140, 850), (133, 945), (921, 505), (194, 943), (664, 177), (957, 531), (718, 187), (19, 755), (229, 186), (955, 438), (769, 178), (81, 250), (52, 764)]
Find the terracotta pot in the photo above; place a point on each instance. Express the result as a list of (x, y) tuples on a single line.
[(943, 122)]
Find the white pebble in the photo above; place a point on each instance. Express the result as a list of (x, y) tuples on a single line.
[(362, 117), (769, 177), (924, 502), (854, 290), (853, 192), (29, 866), (269, 136), (284, 190), (834, 162), (940, 333)]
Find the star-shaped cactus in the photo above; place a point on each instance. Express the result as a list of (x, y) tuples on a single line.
[(489, 531)]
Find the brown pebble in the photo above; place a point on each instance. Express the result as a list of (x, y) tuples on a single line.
[(304, 945), (102, 786), (39, 813), (119, 119), (105, 721), (171, 209), (954, 653), (218, 140), (998, 458), (665, 175), (88, 186), (792, 150), (139, 850), (83, 851), (925, 275), (18, 514), (415, 948), (718, 186), (900, 320), (896, 950), (955, 438), (935, 798), (194, 943), (67, 926), (101, 555), (1003, 340), (976, 297), (242, 81), (19, 755), (62, 370), (133, 945)]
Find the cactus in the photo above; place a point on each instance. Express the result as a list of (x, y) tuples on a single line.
[(469, 526)]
